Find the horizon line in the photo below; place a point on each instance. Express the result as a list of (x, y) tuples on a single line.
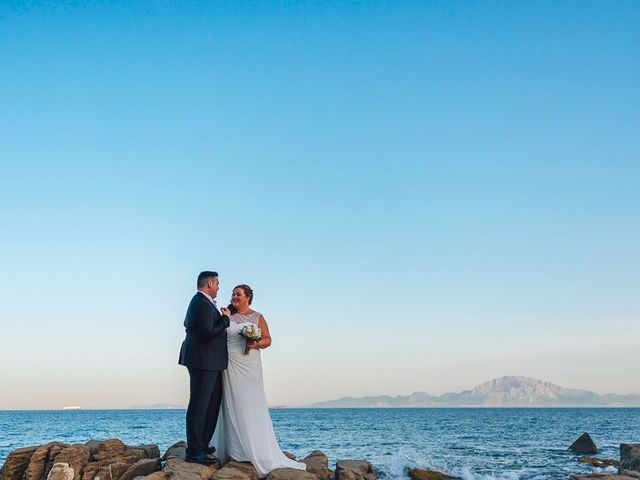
[(388, 407)]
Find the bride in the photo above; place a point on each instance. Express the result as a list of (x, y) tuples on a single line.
[(246, 432)]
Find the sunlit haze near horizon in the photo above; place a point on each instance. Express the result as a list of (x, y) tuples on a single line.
[(423, 195)]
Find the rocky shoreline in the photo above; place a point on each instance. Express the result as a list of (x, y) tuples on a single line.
[(628, 466), (114, 460)]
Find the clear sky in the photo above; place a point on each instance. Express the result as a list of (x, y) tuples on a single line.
[(424, 195)]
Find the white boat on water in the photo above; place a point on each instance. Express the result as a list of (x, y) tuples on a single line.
[(71, 407)]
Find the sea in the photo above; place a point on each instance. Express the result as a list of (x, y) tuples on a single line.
[(472, 443)]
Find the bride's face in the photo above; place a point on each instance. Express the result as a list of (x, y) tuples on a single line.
[(239, 299)]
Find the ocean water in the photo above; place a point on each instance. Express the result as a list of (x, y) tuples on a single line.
[(476, 444)]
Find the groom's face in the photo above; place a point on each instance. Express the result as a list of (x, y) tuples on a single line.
[(214, 285)]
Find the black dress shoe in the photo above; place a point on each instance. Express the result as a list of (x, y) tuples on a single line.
[(201, 458), (209, 450)]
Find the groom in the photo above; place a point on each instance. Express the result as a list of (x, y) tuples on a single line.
[(204, 353)]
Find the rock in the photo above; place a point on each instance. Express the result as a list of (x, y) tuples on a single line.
[(112, 452), (584, 444), (178, 469), (317, 464), (37, 469), (155, 476), (93, 445), (133, 454), (354, 470), (629, 473), (245, 467), (90, 470), (289, 455), (229, 473), (76, 456), (61, 471), (17, 463), (630, 456), (109, 451), (599, 476), (55, 449), (112, 471), (346, 475), (290, 474), (37, 463), (599, 462), (177, 450), (426, 474), (151, 450), (142, 468)]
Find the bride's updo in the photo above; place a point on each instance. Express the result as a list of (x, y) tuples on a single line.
[(248, 291)]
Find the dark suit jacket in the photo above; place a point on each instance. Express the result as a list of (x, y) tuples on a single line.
[(205, 346)]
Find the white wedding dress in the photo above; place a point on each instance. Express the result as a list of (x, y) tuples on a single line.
[(244, 431)]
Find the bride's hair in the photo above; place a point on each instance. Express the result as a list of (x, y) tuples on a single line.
[(248, 291)]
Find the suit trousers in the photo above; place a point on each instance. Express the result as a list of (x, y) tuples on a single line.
[(205, 397)]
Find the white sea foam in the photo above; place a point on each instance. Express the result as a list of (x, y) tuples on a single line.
[(467, 474)]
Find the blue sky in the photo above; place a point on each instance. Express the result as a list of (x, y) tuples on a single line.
[(424, 195)]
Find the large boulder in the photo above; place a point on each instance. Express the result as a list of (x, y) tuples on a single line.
[(178, 469), (56, 448), (160, 475), (42, 461), (354, 470), (427, 474), (110, 451), (230, 473), (177, 450), (76, 456), (290, 474), (17, 463), (584, 444), (245, 467), (142, 468), (630, 457), (318, 464)]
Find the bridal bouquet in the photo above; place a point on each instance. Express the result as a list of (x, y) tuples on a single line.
[(251, 333)]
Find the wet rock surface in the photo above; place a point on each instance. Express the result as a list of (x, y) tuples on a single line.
[(584, 444)]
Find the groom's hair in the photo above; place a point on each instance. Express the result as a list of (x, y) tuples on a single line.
[(204, 277)]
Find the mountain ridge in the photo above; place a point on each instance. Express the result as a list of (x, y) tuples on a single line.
[(506, 391)]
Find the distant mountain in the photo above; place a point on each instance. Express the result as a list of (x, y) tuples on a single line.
[(514, 391)]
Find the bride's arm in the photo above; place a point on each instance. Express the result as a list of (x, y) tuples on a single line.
[(265, 341)]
